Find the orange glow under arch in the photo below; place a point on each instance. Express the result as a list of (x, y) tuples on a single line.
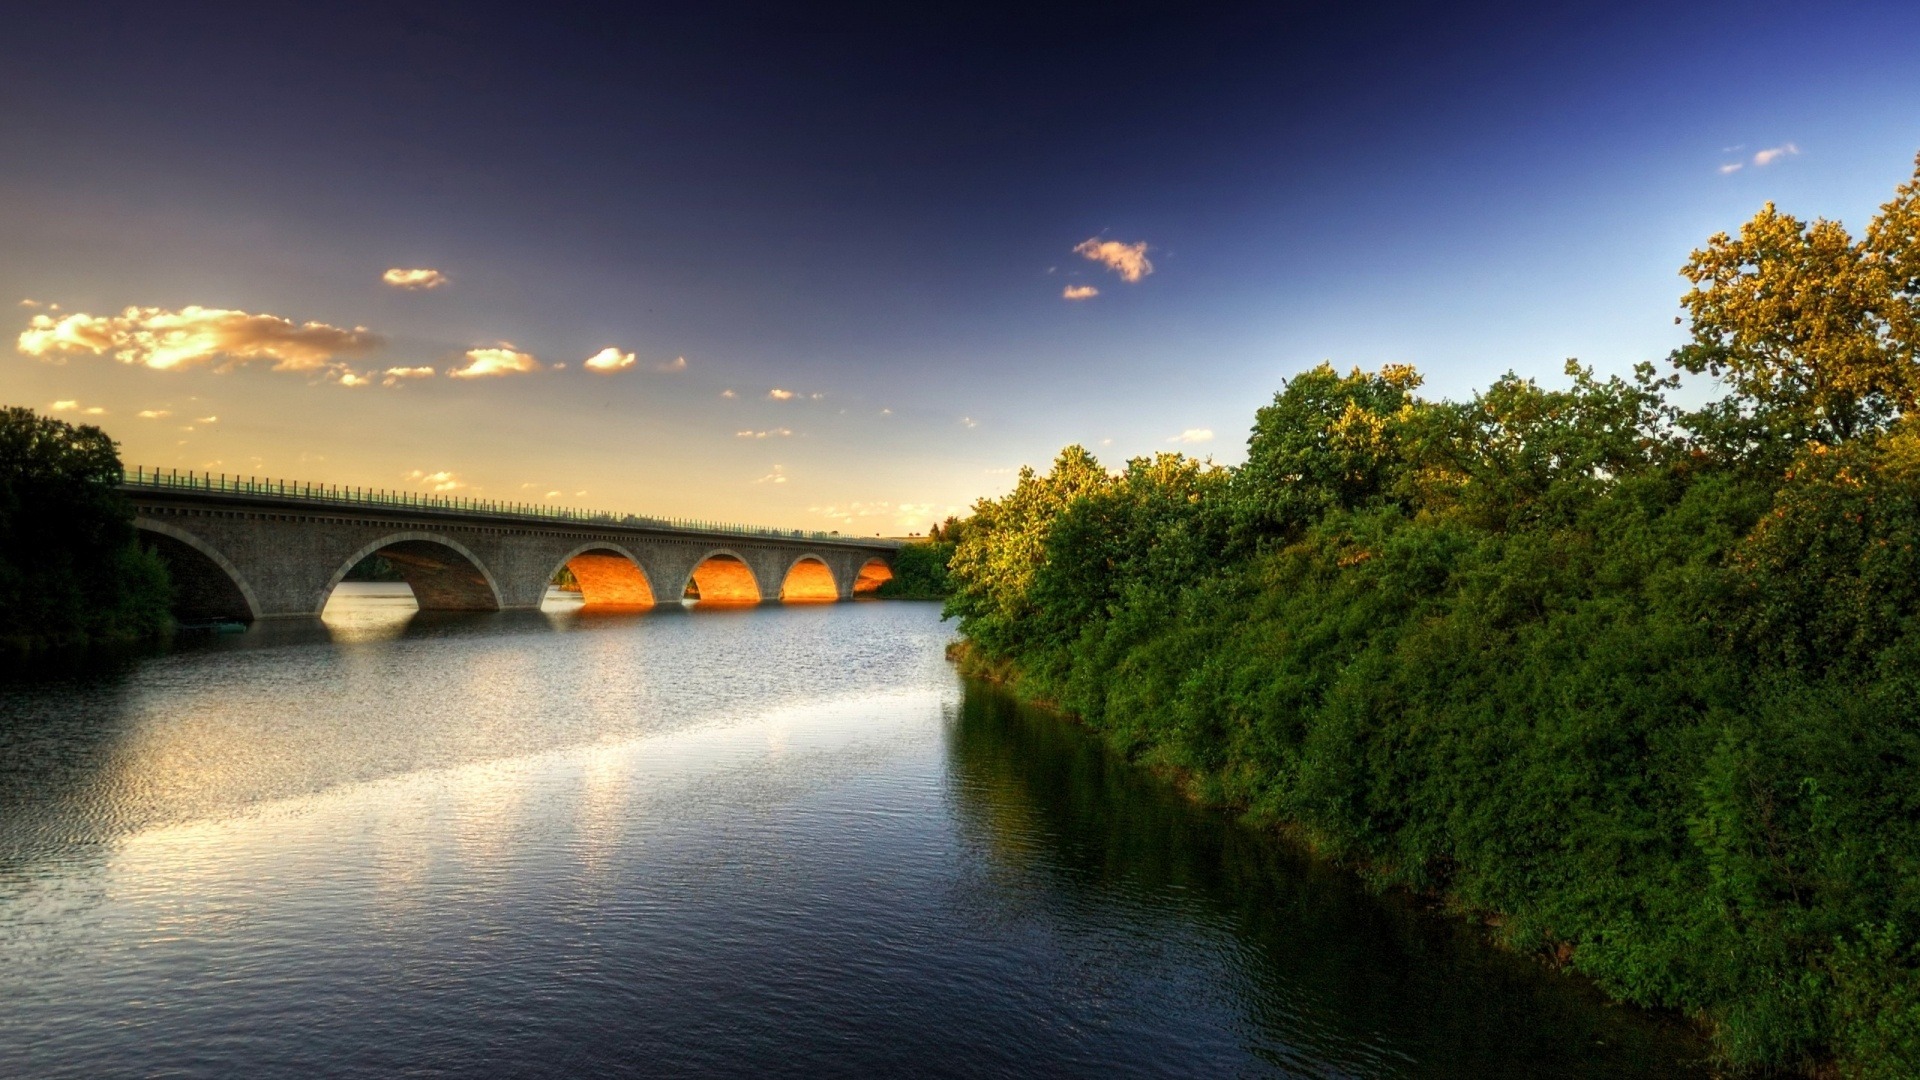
[(809, 581), (872, 576), (610, 579), (723, 579)]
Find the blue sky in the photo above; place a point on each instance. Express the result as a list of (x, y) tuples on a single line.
[(881, 208)]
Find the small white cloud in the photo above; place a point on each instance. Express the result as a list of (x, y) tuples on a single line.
[(421, 278), (777, 476), (30, 302), (668, 367), (728, 394), (815, 397), (63, 406), (1774, 153), (438, 481), (206, 419), (1128, 260), (503, 360), (155, 414), (551, 495), (968, 421), (94, 410), (354, 379), (886, 412), (1731, 167), (1194, 435), (770, 433), (1079, 292), (778, 394), (559, 367), (609, 359)]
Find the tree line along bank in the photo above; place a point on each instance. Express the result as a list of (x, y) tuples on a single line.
[(1638, 683)]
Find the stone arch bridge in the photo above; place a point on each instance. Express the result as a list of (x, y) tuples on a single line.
[(244, 549)]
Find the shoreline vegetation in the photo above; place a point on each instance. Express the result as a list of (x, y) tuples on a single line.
[(72, 571), (1636, 684)]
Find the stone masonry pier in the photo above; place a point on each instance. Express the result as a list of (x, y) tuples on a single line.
[(245, 549)]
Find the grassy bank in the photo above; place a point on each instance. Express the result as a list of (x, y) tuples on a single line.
[(1641, 684)]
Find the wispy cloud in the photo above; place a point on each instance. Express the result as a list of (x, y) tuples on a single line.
[(770, 433), (501, 360), (777, 476), (74, 406), (421, 278), (609, 359), (1079, 292), (192, 336), (1193, 435), (437, 481), (968, 422), (668, 367), (778, 394), (728, 394), (1761, 159), (395, 375), (1128, 260), (154, 414)]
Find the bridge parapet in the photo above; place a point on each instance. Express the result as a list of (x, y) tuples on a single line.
[(347, 495), (247, 548)]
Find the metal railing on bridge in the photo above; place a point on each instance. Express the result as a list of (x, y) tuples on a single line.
[(384, 498)]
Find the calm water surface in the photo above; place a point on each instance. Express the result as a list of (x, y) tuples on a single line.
[(775, 841)]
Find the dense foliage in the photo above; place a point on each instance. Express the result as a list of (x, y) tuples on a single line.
[(1640, 685), (71, 570)]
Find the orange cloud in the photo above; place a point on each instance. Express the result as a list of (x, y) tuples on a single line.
[(1128, 260), (504, 360), (778, 394), (192, 336), (609, 359), (414, 279), (393, 375), (1080, 292)]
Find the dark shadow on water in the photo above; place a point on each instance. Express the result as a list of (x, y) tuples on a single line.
[(1373, 982)]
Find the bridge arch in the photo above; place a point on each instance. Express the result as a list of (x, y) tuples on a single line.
[(872, 575), (809, 579), (206, 584), (723, 577), (443, 573), (609, 576)]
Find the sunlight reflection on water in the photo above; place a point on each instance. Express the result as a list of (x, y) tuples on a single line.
[(781, 841)]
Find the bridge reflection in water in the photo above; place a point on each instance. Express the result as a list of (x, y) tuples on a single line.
[(243, 550)]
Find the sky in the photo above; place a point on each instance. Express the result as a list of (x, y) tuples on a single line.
[(851, 266)]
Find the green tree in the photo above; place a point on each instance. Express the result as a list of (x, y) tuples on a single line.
[(1326, 442), (1005, 543), (1812, 330), (71, 569)]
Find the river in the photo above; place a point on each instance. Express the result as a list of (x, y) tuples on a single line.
[(778, 841)]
